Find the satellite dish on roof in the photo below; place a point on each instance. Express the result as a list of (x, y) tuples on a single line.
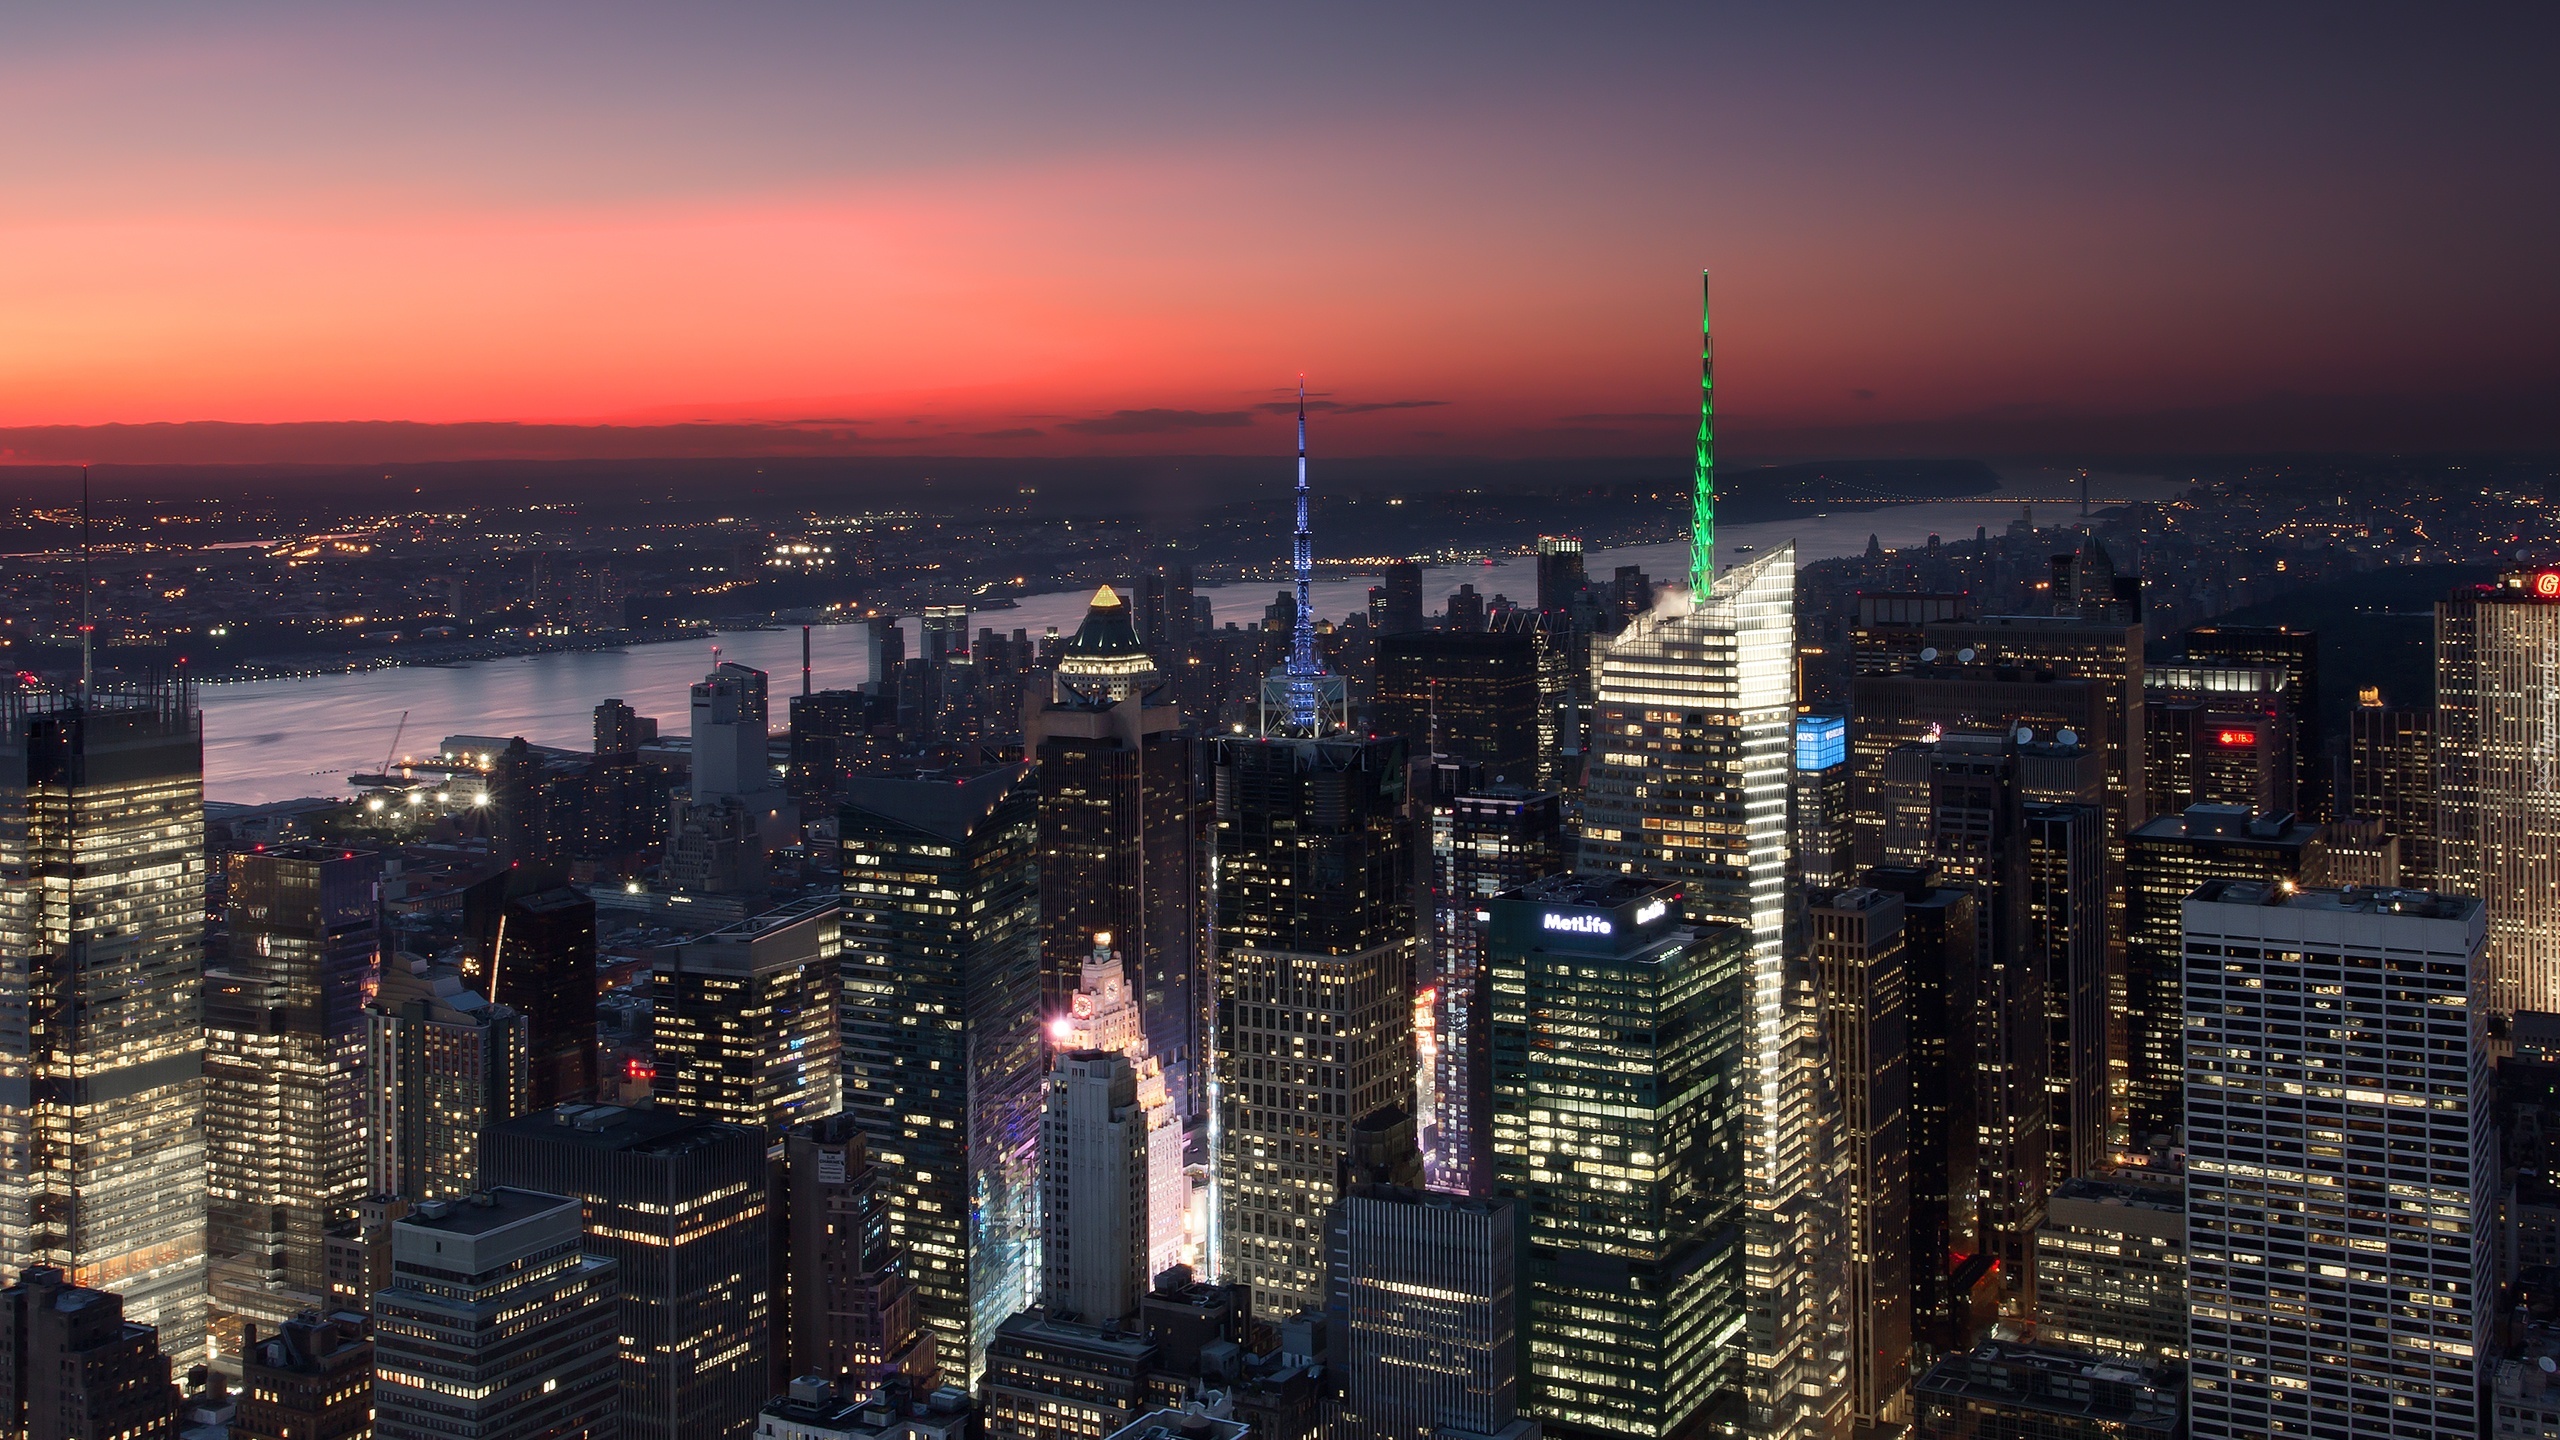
[(1928, 653), (1965, 655), (2066, 737), (2549, 1366), (2025, 735)]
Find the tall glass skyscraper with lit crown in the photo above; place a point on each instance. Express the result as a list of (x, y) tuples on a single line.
[(1691, 763), (102, 890)]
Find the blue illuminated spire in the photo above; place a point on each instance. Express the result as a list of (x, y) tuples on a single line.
[(1303, 668)]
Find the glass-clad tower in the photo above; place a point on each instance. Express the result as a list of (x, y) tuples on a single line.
[(102, 891), (1688, 782), (1618, 1057)]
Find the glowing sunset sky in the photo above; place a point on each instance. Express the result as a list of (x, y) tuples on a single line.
[(1069, 229)]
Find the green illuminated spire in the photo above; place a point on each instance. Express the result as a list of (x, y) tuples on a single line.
[(1702, 522)]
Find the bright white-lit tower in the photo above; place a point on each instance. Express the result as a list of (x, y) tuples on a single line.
[(1694, 707), (1104, 1014)]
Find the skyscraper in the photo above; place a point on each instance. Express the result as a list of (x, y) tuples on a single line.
[(1316, 945), (942, 1046), (1825, 843), (1622, 1062), (2218, 735), (1120, 852), (499, 1323), (1940, 946), (1486, 840), (1093, 1189), (2111, 1265), (2498, 775), (102, 1162), (2297, 654), (1432, 1324), (1856, 939), (733, 810), (2065, 936), (853, 1309), (2391, 777), (680, 1206), (1687, 782), (536, 953), (2339, 1192), (442, 1065), (2168, 859), (1105, 657), (284, 1081), (1470, 695), (1104, 1015), (744, 1020)]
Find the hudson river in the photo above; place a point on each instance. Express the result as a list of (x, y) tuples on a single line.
[(279, 739)]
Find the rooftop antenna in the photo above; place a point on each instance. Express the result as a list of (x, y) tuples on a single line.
[(1303, 669), (2084, 494), (88, 629), (1702, 518)]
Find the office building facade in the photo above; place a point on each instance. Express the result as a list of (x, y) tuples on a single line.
[(681, 1207), (853, 1310), (2111, 1266), (102, 1155), (72, 1367), (284, 1078), (1468, 694), (1855, 937), (2340, 1162), (2167, 859), (2391, 777), (442, 1065), (1432, 1333), (943, 1055), (499, 1323), (744, 1020), (1627, 1153), (1093, 1189), (1316, 942), (1485, 840), (2498, 775)]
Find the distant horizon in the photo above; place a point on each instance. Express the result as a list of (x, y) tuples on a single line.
[(632, 232)]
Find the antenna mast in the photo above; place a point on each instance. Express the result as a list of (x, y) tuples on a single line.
[(88, 629), (1702, 518)]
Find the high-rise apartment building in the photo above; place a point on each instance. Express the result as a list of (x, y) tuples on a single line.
[(72, 1367), (1690, 764), (1470, 695), (2498, 775), (1433, 1313), (2391, 777), (1622, 1072), (2297, 654), (681, 1207), (1855, 937), (744, 1020), (853, 1309), (2111, 1266), (1485, 840), (942, 1048), (2167, 859), (1120, 853), (284, 1078), (2341, 1169), (442, 1065), (1825, 841), (1093, 1189), (102, 1158), (499, 1323), (1315, 934)]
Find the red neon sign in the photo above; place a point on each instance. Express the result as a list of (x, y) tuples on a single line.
[(2238, 737), (2546, 585)]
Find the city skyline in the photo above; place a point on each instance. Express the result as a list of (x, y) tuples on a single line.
[(845, 233)]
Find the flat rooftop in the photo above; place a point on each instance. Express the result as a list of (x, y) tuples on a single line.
[(483, 1212), (2351, 900)]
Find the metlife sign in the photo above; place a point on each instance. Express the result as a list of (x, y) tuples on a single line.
[(1576, 924)]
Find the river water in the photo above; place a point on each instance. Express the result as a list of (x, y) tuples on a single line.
[(280, 739)]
